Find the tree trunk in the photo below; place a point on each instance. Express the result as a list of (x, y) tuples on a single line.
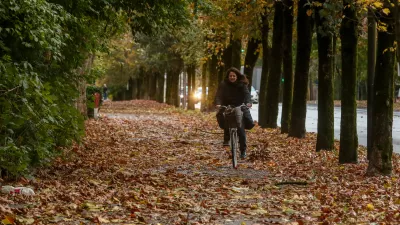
[(193, 84), (299, 108), (183, 86), (191, 70), (134, 86), (81, 104), (236, 53), (325, 135), (382, 147), (145, 86), (160, 87), (262, 97), (348, 124), (251, 59), (228, 56), (212, 82), (175, 87), (274, 77), (287, 65), (371, 75), (153, 86), (203, 87), (169, 99)]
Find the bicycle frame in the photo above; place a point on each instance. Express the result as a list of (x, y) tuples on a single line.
[(233, 119)]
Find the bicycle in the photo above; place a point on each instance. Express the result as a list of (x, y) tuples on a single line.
[(233, 119)]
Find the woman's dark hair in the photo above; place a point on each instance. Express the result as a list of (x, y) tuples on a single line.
[(240, 77)]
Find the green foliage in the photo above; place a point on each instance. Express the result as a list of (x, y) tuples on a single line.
[(42, 46)]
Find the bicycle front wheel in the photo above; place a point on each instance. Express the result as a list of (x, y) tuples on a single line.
[(234, 147)]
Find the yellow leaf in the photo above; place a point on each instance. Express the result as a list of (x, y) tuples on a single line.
[(370, 207), (386, 11), (243, 223), (8, 221), (378, 4)]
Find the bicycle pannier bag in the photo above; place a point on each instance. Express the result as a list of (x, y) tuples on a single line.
[(247, 119)]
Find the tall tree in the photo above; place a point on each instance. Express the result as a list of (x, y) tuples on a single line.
[(160, 87), (251, 58), (371, 74), (274, 77), (227, 57), (262, 98), (191, 69), (325, 136), (299, 108), (287, 65), (348, 124), (380, 161), (212, 82), (204, 86), (236, 53)]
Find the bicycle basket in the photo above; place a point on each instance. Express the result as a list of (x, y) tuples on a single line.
[(233, 117)]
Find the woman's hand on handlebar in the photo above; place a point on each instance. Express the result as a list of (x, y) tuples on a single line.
[(249, 105)]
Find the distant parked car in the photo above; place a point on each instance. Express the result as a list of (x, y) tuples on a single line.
[(254, 95)]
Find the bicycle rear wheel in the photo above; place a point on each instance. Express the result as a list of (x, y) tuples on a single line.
[(234, 147)]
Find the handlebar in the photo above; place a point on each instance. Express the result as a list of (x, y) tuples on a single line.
[(231, 106)]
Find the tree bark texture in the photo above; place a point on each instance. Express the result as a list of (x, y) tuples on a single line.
[(204, 86), (153, 86), (287, 65), (236, 53), (274, 77), (169, 99), (371, 74), (299, 107), (348, 124), (212, 82), (81, 104), (227, 57), (160, 87), (262, 97), (325, 135), (134, 89), (380, 161), (251, 59), (191, 70), (175, 88)]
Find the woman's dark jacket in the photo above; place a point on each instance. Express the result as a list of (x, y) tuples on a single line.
[(234, 94)]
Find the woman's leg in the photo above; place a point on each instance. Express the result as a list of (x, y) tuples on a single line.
[(242, 141), (226, 136)]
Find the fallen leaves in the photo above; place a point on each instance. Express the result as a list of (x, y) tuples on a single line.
[(149, 163)]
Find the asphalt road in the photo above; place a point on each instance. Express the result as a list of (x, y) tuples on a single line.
[(312, 121)]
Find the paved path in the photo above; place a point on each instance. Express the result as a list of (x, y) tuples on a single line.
[(312, 121)]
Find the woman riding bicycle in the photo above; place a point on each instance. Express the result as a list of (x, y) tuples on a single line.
[(233, 90)]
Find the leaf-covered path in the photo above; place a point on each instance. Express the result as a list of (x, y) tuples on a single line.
[(148, 163)]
